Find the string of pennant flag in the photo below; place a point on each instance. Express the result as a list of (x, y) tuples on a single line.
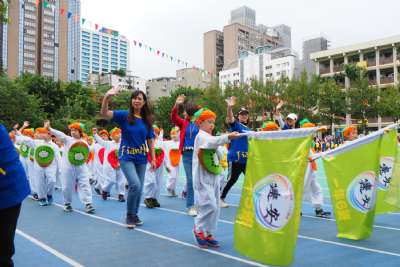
[(138, 44)]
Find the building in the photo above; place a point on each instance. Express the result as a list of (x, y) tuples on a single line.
[(159, 87), (74, 42), (381, 57), (128, 82), (244, 16), (312, 46), (265, 65), (3, 46), (39, 38), (193, 77), (103, 52), (213, 42), (241, 35)]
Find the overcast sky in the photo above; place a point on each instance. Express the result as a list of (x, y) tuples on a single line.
[(177, 26)]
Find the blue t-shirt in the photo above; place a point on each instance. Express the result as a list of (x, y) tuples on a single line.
[(14, 186), (133, 137), (238, 147), (190, 135)]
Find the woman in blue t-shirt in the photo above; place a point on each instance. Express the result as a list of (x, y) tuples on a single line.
[(237, 154), (137, 137)]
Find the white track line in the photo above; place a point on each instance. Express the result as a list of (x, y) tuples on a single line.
[(170, 239), (307, 237), (49, 249)]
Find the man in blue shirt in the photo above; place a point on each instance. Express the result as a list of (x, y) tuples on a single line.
[(14, 188)]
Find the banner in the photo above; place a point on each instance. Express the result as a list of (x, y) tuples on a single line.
[(393, 193), (388, 153), (268, 216), (351, 172)]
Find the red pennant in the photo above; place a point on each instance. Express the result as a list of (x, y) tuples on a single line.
[(62, 11), (158, 52), (96, 26), (134, 42)]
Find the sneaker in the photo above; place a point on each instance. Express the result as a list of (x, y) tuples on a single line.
[(137, 221), (192, 212), (108, 194), (50, 199), (156, 204), (104, 195), (121, 198), (130, 221), (97, 191), (91, 181), (201, 239), (149, 203), (321, 213), (212, 242), (67, 207), (223, 204), (171, 193), (43, 202), (35, 196), (89, 209)]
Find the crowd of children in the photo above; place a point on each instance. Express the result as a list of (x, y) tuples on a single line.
[(134, 158)]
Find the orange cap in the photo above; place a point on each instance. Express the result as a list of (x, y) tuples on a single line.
[(41, 130), (28, 132), (115, 131), (205, 115)]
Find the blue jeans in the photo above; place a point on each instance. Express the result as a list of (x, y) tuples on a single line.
[(134, 174), (187, 158)]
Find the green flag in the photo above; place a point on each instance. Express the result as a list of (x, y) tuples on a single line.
[(387, 158), (351, 172), (268, 217), (393, 193)]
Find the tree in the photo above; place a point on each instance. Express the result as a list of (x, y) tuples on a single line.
[(120, 72), (17, 105), (332, 101), (389, 104)]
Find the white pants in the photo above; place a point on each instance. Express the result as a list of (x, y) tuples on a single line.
[(114, 177), (152, 182), (312, 189), (98, 175), (70, 175), (206, 197), (172, 178), (45, 180), (30, 167)]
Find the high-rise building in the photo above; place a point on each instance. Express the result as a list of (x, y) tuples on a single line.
[(38, 37), (3, 46), (213, 42), (223, 49), (311, 46), (244, 16), (103, 51), (74, 42)]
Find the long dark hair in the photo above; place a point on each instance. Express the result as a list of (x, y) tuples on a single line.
[(144, 112)]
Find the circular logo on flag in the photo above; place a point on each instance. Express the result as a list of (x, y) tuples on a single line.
[(361, 192), (273, 199), (385, 172)]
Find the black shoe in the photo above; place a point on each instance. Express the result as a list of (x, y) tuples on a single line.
[(126, 187), (149, 203), (108, 194), (91, 181), (97, 191), (130, 221), (89, 209), (121, 198), (67, 207), (321, 213), (35, 197), (156, 203), (137, 221), (104, 195)]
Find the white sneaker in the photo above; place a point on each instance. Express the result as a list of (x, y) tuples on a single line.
[(192, 212), (223, 204)]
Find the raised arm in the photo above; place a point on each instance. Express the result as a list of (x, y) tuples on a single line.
[(98, 139), (178, 121), (229, 113), (213, 142), (104, 111), (19, 139)]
